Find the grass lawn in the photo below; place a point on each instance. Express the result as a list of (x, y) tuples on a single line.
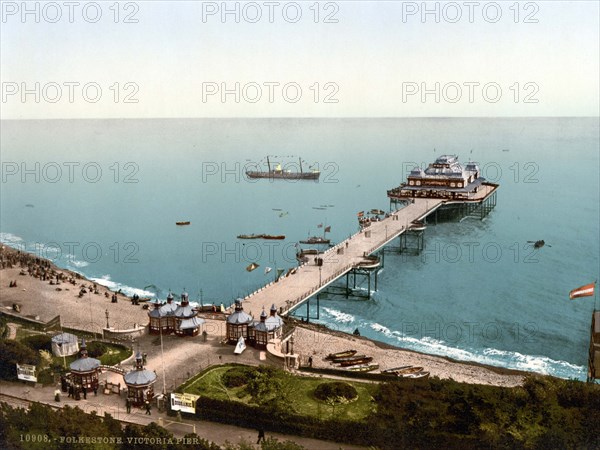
[(300, 392)]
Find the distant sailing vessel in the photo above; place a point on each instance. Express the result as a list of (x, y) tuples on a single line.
[(279, 173)]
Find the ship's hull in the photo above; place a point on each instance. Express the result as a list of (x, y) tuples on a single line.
[(285, 175)]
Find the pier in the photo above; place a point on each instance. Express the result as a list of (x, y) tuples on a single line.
[(310, 278)]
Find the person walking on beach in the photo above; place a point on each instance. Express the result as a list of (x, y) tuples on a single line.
[(128, 405), (261, 435), (148, 408)]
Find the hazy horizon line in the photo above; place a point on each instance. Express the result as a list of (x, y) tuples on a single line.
[(302, 118)]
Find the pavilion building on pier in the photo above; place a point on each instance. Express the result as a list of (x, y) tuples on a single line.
[(445, 178)]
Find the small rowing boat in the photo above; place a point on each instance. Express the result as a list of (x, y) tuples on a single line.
[(395, 369), (363, 368), (408, 371), (344, 354), (417, 225), (183, 223), (348, 358), (355, 362), (417, 375)]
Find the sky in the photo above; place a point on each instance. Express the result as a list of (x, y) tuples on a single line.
[(299, 59)]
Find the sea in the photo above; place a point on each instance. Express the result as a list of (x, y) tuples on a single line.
[(101, 197)]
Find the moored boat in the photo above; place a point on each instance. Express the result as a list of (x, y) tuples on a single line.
[(348, 358), (343, 354), (363, 368), (183, 223), (379, 212), (421, 374), (302, 255), (355, 362), (316, 240), (250, 236), (369, 262), (273, 236), (417, 225), (408, 371), (395, 369)]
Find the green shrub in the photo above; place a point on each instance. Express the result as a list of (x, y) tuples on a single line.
[(46, 377), (96, 349), (13, 352), (237, 376), (335, 389), (38, 342)]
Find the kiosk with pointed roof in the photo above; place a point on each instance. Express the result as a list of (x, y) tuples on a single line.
[(140, 382), (238, 323), (162, 317), (269, 327), (186, 322), (85, 370)]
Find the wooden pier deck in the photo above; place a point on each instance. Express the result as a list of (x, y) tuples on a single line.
[(290, 291)]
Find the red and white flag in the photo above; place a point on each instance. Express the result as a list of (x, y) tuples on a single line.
[(583, 291)]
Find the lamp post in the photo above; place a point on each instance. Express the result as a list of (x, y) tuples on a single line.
[(106, 314)]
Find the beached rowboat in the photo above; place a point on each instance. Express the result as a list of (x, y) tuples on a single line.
[(363, 368), (344, 354), (393, 370), (408, 371), (347, 358), (417, 375), (355, 362)]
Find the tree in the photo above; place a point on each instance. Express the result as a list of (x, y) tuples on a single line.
[(12, 353)]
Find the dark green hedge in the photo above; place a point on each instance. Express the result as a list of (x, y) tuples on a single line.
[(13, 352), (237, 376), (38, 342), (335, 389), (272, 419), (96, 349)]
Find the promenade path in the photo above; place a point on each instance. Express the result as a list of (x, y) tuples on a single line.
[(21, 395)]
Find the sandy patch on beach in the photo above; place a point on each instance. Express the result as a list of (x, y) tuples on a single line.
[(318, 344)]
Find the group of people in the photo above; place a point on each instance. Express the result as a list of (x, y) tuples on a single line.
[(76, 391), (33, 266), (91, 288)]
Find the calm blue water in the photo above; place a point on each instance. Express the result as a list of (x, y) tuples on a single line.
[(477, 293)]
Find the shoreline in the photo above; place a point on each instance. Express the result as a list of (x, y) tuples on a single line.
[(89, 315), (385, 346)]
